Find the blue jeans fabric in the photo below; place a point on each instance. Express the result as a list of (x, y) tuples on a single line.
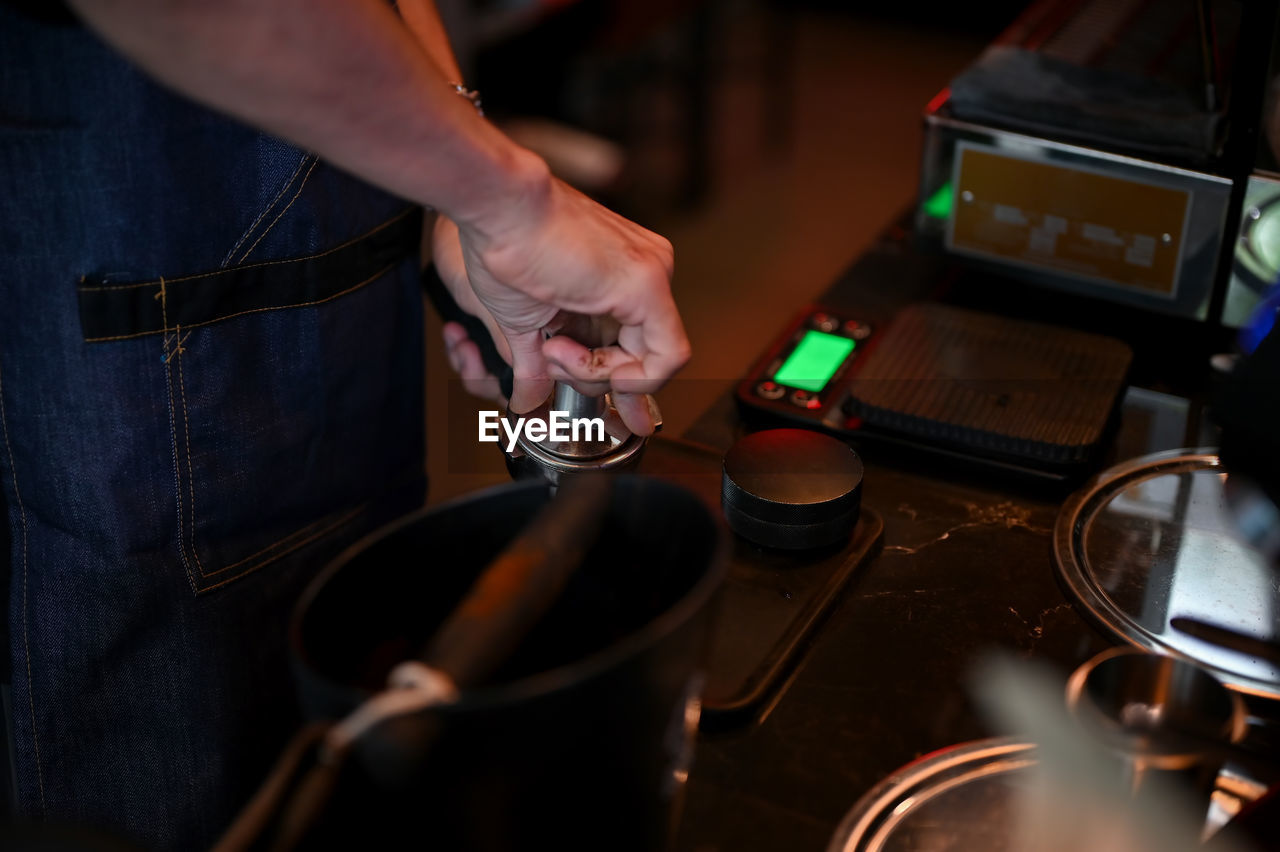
[(169, 494)]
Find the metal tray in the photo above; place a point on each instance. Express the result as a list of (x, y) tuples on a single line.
[(1149, 540)]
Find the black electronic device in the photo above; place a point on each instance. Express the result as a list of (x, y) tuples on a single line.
[(801, 376), (1026, 397)]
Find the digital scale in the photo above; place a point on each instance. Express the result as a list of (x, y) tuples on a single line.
[(1032, 398), (798, 379)]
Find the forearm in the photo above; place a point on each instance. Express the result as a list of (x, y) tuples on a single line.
[(343, 78), (423, 19)]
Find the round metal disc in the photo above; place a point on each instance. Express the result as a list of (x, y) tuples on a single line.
[(959, 798), (1151, 540)]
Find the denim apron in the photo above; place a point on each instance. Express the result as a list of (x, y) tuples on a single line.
[(210, 383)]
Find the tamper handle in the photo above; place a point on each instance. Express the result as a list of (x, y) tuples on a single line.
[(566, 398)]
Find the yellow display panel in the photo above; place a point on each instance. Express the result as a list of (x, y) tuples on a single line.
[(1030, 213)]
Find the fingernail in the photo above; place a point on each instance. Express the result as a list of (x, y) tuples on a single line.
[(655, 413)]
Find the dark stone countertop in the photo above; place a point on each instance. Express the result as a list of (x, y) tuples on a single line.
[(965, 567)]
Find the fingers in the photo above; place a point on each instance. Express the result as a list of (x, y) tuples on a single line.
[(464, 357), (581, 364), (641, 362), (593, 372), (659, 344), (638, 411), (589, 388), (635, 411), (532, 383), (452, 269)]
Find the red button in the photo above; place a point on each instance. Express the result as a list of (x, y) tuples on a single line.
[(857, 330), (770, 390), (825, 322)]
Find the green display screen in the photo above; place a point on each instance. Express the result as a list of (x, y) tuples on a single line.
[(814, 361), (941, 203)]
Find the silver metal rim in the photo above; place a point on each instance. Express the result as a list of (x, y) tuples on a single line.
[(875, 816), (1078, 703), (1068, 535), (620, 455)]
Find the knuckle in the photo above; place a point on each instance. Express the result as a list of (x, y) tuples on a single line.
[(652, 277), (681, 354), (667, 255), (666, 251)]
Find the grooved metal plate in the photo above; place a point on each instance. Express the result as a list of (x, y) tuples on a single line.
[(1026, 390)]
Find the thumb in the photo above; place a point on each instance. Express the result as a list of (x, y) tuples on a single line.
[(531, 384)]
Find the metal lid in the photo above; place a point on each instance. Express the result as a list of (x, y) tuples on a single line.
[(1151, 540), (959, 798)]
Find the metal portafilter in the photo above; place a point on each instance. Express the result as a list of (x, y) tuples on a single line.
[(592, 436), (612, 447), (597, 439)]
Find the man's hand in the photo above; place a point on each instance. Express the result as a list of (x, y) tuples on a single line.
[(536, 267)]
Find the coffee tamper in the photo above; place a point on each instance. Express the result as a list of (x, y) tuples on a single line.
[(791, 489), (613, 447)]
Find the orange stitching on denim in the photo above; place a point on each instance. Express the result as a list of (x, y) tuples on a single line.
[(191, 471), (177, 475), (350, 289), (191, 476), (177, 340), (265, 210), (301, 186), (26, 636), (346, 519), (94, 288), (173, 434), (323, 525)]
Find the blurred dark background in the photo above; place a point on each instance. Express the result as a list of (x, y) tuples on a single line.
[(651, 77)]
